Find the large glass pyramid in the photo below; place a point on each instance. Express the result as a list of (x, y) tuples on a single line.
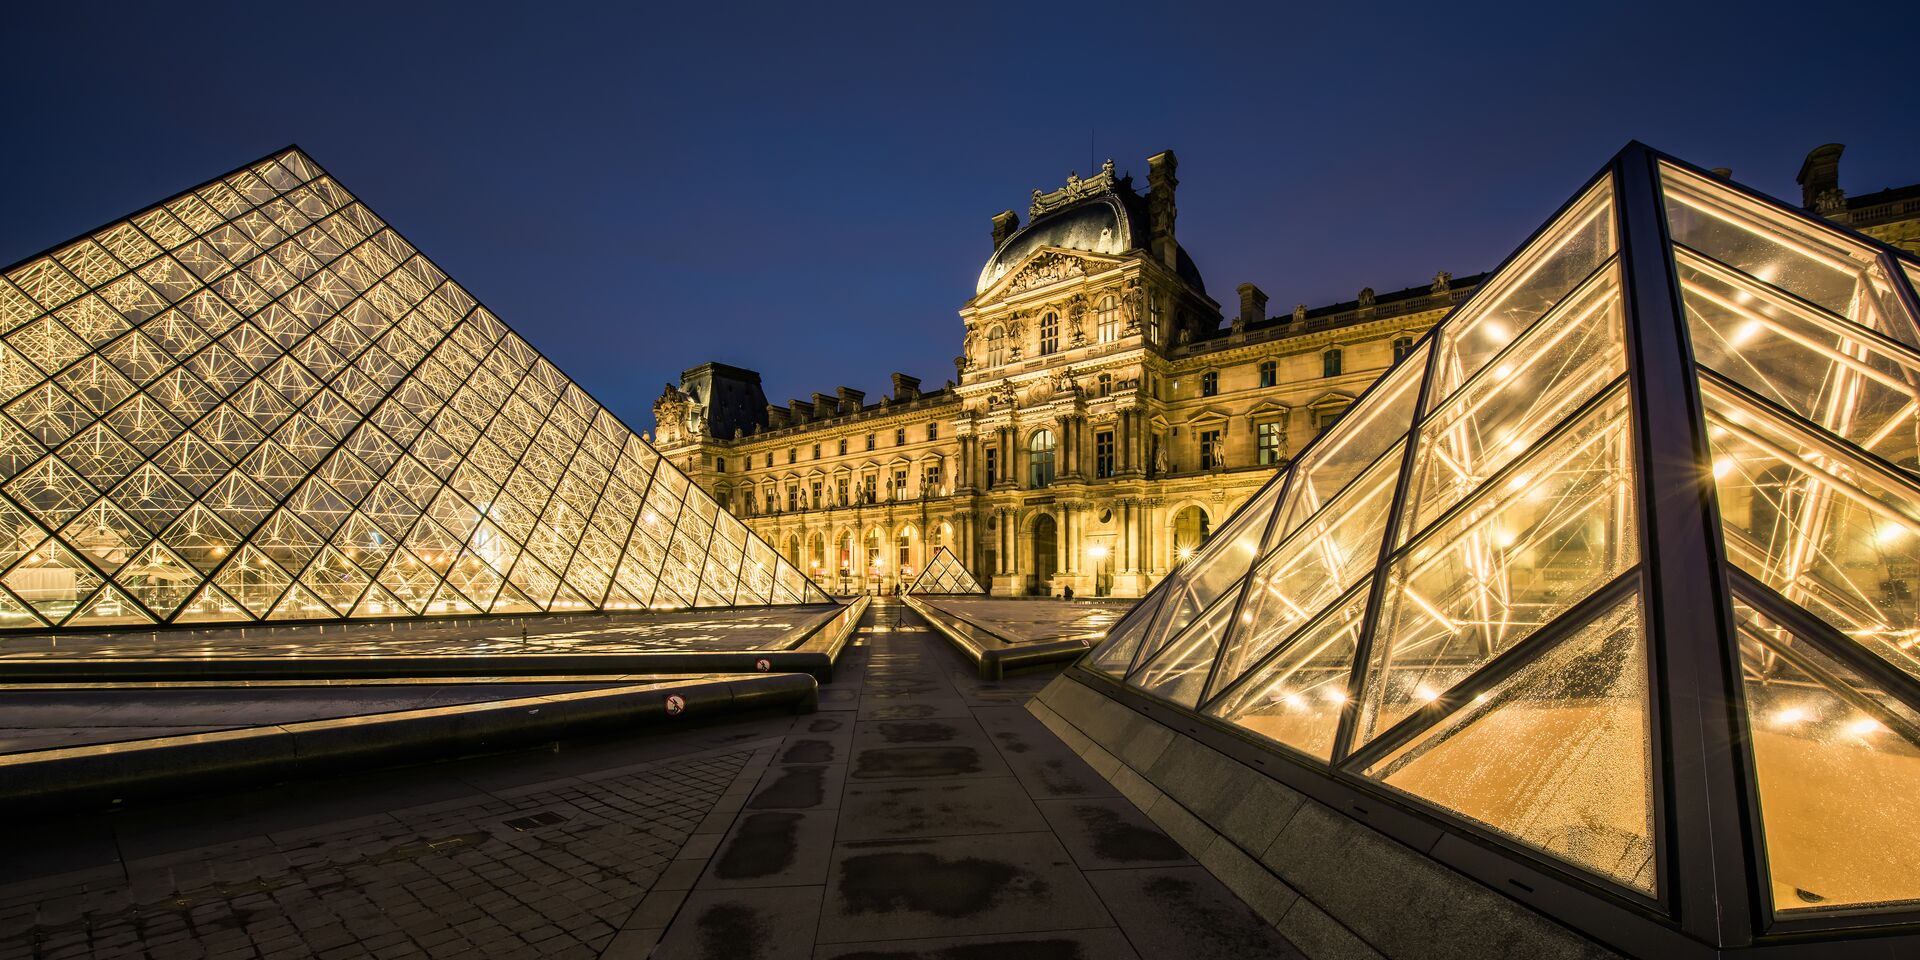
[(255, 401), (1672, 446), (945, 574)]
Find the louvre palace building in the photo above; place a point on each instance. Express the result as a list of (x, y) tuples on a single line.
[(1109, 411)]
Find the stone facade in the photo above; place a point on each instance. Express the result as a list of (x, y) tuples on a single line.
[(1106, 415)]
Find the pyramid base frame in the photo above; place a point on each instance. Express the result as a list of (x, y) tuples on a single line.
[(993, 654), (1347, 872)]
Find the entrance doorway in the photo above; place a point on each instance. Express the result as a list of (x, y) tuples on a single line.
[(1046, 557), (1191, 528)]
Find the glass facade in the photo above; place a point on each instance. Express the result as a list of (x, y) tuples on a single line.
[(1453, 597), (256, 401), (945, 574)]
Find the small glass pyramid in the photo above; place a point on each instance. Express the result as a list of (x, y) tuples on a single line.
[(255, 401), (944, 574), (1454, 598)]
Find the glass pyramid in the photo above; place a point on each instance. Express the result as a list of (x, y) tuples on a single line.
[(256, 401), (1466, 597), (944, 574)]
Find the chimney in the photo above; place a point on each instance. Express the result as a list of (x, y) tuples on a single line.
[(824, 406), (1819, 179), (798, 410), (777, 417), (1161, 209), (1253, 304), (905, 388), (1004, 224), (850, 399)]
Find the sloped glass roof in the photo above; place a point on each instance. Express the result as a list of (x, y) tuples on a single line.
[(1449, 598), (256, 401), (945, 574)]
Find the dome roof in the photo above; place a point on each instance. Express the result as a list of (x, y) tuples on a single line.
[(1097, 225), (1111, 224)]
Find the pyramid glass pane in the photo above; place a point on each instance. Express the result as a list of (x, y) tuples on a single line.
[(1358, 441), (945, 574), (1824, 526), (1311, 568), (1530, 545), (1569, 251), (1201, 580), (1836, 758), (1179, 671), (1297, 695), (1558, 364), (293, 352), (1122, 645), (1808, 259), (1555, 755)]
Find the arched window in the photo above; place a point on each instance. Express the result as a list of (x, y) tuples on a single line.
[(1106, 322), (817, 550), (846, 554), (996, 349), (1049, 333), (876, 563), (793, 551), (1330, 363), (903, 543), (1040, 459)]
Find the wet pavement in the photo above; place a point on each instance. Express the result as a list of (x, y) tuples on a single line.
[(921, 813)]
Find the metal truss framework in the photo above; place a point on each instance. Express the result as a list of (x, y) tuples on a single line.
[(256, 401), (1613, 575), (945, 574)]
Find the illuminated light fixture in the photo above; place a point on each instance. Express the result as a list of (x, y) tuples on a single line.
[(1097, 552), (1865, 727), (1185, 553), (1744, 333), (1789, 716), (1426, 694), (1722, 466), (1335, 695)]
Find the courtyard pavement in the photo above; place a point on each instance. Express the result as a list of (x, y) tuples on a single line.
[(920, 814)]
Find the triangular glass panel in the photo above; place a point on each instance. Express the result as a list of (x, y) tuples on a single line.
[(1827, 528), (377, 602), (1836, 757), (1215, 567), (1179, 671), (1358, 441), (511, 600), (1122, 645), (15, 613), (1555, 755), (1296, 696), (301, 604), (107, 608), (252, 578), (292, 353), (1531, 544), (53, 579), (211, 606)]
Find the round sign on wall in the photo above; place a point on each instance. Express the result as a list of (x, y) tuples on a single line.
[(763, 665), (675, 704)]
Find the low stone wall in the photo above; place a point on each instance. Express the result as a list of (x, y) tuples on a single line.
[(1335, 887)]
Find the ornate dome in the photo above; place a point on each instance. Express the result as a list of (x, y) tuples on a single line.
[(1097, 225)]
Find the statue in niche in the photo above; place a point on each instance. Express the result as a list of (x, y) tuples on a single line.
[(1160, 465)]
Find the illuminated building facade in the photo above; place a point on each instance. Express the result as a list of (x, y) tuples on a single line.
[(1603, 600), (1105, 417), (256, 402)]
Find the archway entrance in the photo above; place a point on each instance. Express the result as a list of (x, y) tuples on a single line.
[(1046, 556), (1191, 528)]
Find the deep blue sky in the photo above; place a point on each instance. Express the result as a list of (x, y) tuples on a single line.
[(806, 191)]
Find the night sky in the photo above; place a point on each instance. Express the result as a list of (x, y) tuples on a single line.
[(806, 191)]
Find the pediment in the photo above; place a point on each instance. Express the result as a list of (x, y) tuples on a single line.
[(1047, 266), (1332, 398)]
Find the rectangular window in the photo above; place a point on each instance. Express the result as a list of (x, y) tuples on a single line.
[(816, 495), (900, 437), (840, 488), (993, 466), (1402, 347), (1267, 443), (793, 454), (1330, 363), (769, 458), (719, 464), (900, 484), (930, 479), (843, 446), (1209, 383), (769, 495), (1103, 454), (933, 431), (1210, 450), (793, 497), (816, 451), (871, 482), (869, 441), (724, 499), (1269, 374), (1322, 419)]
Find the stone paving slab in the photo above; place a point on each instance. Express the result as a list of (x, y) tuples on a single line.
[(891, 810), (1185, 912), (953, 886)]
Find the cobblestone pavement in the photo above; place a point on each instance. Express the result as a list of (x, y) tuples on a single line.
[(921, 813)]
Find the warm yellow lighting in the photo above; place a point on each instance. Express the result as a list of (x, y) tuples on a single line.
[(1336, 696), (1097, 552), (1744, 333), (1865, 726), (1789, 716), (1426, 694), (1185, 553), (1722, 466), (1503, 372)]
